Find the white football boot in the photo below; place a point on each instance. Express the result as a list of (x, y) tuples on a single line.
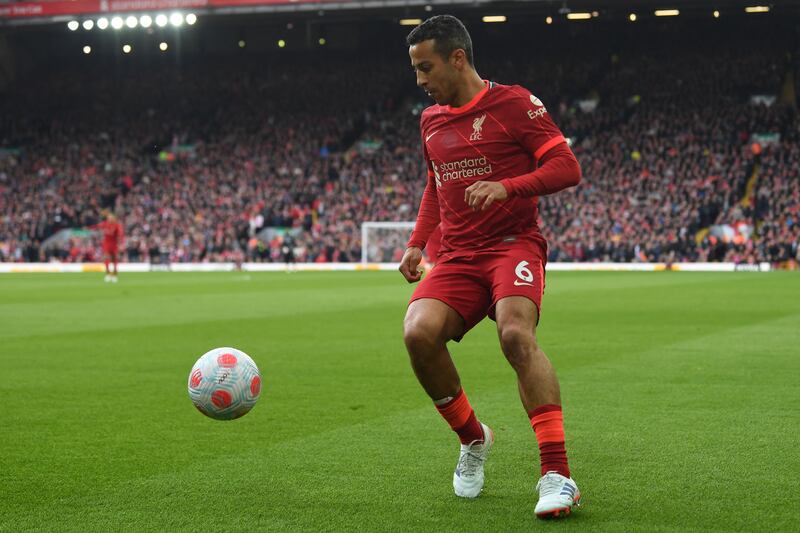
[(557, 496), (468, 477), (107, 279)]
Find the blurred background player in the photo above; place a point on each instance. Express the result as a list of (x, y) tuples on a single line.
[(112, 242), (287, 251), (490, 151)]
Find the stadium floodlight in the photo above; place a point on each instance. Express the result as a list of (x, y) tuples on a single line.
[(548, 20), (191, 18), (87, 49), (756, 9), (102, 23), (126, 49), (579, 16), (117, 23), (176, 19), (88, 24), (716, 14), (632, 17), (410, 22), (73, 25), (145, 21), (131, 22), (667, 12), (163, 46), (161, 20), (494, 18)]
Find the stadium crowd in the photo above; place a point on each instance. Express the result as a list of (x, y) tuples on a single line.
[(203, 168)]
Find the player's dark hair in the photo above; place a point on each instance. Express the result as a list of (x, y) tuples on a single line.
[(448, 34)]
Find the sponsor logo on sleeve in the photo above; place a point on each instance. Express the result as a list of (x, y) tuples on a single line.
[(540, 108)]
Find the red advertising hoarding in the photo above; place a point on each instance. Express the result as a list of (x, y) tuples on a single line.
[(86, 7)]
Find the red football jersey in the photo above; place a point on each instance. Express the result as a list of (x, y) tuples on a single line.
[(112, 232), (500, 134)]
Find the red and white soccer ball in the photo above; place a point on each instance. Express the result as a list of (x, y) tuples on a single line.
[(224, 384)]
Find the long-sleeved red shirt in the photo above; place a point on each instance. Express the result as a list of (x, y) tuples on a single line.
[(504, 135)]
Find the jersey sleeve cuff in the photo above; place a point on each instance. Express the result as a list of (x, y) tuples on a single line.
[(509, 187)]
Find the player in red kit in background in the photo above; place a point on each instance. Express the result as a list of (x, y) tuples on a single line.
[(112, 242), (490, 151)]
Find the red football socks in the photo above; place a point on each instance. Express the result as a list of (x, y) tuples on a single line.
[(459, 414), (548, 424)]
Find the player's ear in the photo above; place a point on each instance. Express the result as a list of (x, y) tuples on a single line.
[(458, 59), (454, 58)]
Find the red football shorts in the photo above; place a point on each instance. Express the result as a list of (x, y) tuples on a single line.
[(474, 283), (110, 249)]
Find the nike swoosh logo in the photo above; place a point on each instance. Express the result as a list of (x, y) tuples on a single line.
[(518, 283), (428, 138)]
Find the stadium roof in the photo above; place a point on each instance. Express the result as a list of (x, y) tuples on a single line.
[(43, 11)]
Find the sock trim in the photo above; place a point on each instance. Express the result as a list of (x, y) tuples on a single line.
[(542, 409), (462, 419), (456, 412)]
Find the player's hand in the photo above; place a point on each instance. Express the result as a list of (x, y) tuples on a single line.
[(409, 265), (481, 194)]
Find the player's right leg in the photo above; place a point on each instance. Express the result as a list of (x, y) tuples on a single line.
[(106, 261), (428, 326)]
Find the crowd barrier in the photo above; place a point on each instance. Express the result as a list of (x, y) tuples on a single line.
[(6, 268)]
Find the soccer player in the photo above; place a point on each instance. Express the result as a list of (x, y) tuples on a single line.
[(112, 241), (490, 151), (287, 250)]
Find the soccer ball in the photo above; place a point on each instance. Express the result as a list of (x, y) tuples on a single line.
[(224, 384)]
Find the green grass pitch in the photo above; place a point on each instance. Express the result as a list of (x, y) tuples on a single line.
[(681, 399)]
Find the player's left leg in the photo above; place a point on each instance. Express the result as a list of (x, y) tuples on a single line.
[(540, 394), (115, 259), (516, 326)]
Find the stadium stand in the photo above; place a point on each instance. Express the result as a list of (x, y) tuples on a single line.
[(680, 162)]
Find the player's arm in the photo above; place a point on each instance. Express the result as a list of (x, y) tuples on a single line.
[(558, 170), (427, 221), (531, 125)]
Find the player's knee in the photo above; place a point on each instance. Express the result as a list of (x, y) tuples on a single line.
[(518, 342), (418, 333)]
